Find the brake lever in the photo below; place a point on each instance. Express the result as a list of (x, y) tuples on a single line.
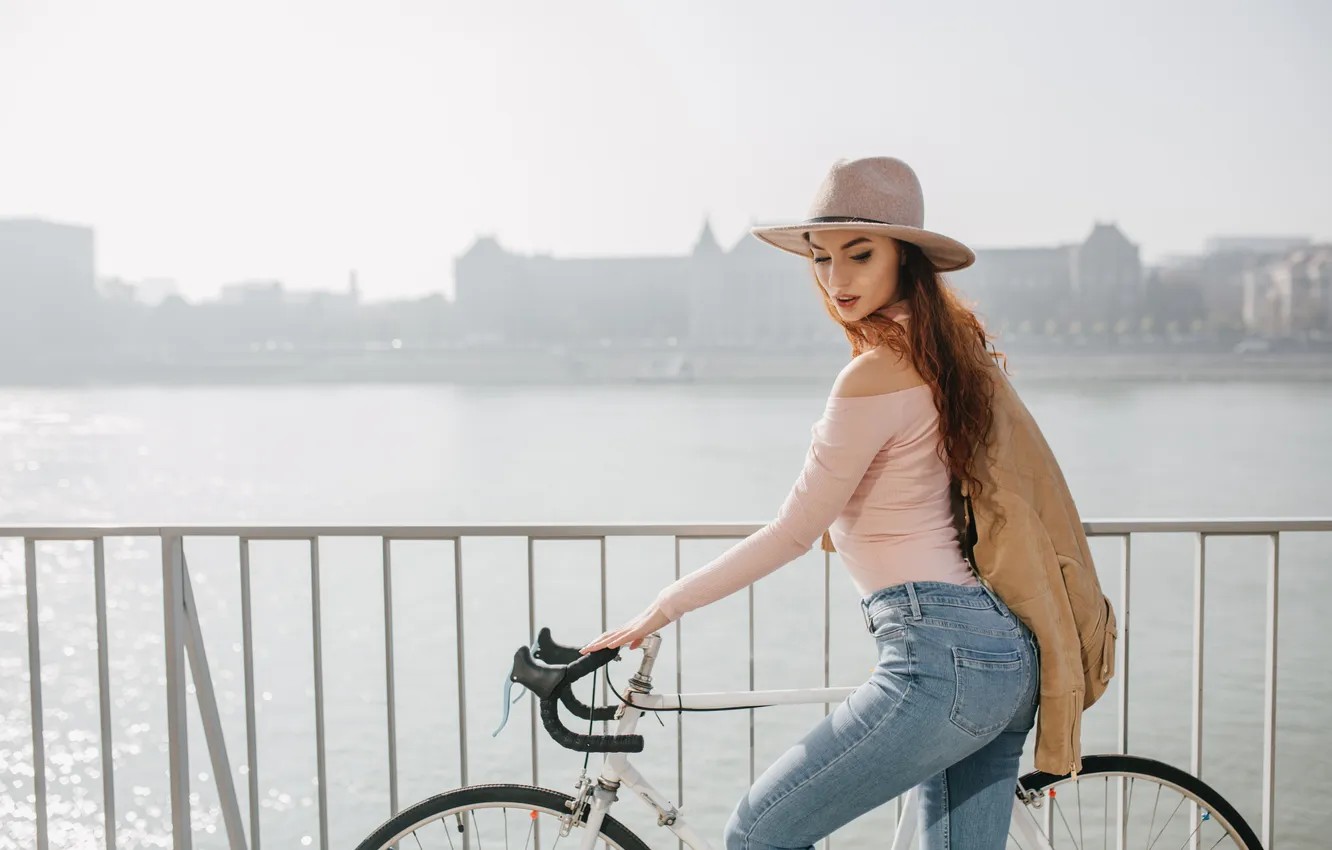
[(509, 702)]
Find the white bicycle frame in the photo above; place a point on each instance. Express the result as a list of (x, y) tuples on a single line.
[(617, 772)]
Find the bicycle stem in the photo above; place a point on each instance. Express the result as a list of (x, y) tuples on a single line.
[(642, 680)]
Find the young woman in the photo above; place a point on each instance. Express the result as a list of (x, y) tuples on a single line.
[(954, 694)]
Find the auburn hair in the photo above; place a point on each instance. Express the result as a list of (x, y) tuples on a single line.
[(948, 345)]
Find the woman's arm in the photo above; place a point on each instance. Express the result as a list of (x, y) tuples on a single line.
[(844, 441)]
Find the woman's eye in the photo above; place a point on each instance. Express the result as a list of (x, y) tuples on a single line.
[(860, 258), (822, 259)]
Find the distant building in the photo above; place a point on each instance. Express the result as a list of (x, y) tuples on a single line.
[(148, 292), (1225, 264), (272, 295), (117, 290), (1291, 295), (754, 296), (43, 262), (48, 280), (1254, 244), (747, 296), (154, 290), (253, 293), (1097, 280)]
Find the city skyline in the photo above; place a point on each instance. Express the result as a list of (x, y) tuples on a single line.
[(162, 285), (244, 142)]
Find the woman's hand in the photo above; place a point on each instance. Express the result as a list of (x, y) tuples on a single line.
[(631, 633)]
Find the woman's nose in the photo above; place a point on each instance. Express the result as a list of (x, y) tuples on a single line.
[(838, 278)]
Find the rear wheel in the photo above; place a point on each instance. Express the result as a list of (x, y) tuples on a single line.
[(480, 816), (1162, 806)]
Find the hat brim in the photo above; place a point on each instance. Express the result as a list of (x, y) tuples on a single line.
[(947, 255)]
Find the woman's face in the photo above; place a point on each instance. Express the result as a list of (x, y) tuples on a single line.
[(857, 269)]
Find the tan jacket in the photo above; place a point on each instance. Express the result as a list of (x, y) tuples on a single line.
[(1032, 551)]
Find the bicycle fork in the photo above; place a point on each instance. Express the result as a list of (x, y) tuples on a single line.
[(617, 771)]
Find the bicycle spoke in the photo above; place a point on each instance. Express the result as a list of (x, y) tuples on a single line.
[(1128, 805), (447, 833), (531, 829), (1060, 809), (1026, 807), (1081, 838), (1105, 832), (1152, 826), (1167, 823), (1191, 834)]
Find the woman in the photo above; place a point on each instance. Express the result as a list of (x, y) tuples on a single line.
[(954, 694)]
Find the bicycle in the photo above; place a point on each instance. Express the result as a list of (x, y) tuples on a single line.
[(548, 670)]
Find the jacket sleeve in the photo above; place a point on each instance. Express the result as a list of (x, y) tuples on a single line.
[(844, 442)]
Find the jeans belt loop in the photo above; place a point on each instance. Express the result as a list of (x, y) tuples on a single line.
[(869, 622), (915, 603)]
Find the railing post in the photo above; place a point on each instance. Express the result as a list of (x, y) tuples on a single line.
[(247, 660), (317, 631), (35, 692), (104, 695), (1268, 835), (460, 631), (390, 690), (1125, 594), (178, 750), (209, 716), (1199, 610)]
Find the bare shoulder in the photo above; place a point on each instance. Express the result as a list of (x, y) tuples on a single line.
[(876, 372)]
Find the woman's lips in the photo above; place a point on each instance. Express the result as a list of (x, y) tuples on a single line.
[(848, 303)]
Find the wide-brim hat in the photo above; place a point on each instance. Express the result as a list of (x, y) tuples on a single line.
[(878, 194)]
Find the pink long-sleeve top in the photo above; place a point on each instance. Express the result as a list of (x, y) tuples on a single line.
[(874, 480)]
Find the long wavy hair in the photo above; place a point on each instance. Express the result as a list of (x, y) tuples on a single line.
[(950, 348)]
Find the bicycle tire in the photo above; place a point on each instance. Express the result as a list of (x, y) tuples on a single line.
[(489, 796), (1117, 765)]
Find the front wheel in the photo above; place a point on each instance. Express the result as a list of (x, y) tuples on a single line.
[(480, 816), (1155, 805)]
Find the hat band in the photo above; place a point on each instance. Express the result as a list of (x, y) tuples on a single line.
[(828, 219)]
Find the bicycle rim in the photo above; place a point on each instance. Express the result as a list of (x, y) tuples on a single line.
[(1152, 805), (492, 816)]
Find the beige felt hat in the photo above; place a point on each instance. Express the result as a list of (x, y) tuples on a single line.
[(879, 194)]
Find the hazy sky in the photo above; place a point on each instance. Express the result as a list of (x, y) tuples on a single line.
[(298, 139)]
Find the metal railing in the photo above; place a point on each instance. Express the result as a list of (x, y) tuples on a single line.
[(184, 639)]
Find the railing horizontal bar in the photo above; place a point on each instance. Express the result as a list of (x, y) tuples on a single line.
[(1255, 526)]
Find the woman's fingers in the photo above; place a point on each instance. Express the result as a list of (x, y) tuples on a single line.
[(609, 639), (631, 633)]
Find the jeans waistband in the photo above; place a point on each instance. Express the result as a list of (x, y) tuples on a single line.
[(913, 594)]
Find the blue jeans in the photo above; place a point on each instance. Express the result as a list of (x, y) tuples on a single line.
[(947, 708)]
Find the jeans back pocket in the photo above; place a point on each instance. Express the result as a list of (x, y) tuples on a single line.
[(989, 686)]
